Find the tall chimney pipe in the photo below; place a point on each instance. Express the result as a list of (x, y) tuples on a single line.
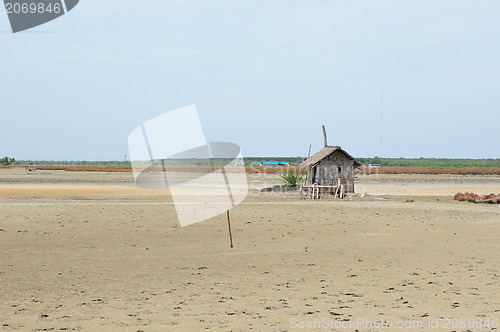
[(324, 136)]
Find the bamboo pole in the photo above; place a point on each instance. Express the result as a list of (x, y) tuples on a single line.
[(229, 225)]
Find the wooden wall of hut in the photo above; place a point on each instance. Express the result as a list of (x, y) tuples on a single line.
[(327, 171)]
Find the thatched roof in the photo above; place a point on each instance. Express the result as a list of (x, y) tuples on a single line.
[(324, 153)]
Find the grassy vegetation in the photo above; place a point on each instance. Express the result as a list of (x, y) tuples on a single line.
[(388, 165), (432, 162), (439, 170), (72, 163), (292, 177)]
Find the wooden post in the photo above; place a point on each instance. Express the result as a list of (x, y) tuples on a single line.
[(324, 136), (229, 225)]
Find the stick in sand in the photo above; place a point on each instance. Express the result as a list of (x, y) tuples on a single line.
[(229, 225)]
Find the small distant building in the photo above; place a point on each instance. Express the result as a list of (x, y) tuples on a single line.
[(276, 163), (328, 169)]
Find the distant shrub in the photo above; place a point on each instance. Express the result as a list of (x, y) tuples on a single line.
[(7, 161), (475, 198), (292, 177)]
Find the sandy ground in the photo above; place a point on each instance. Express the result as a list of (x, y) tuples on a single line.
[(92, 252)]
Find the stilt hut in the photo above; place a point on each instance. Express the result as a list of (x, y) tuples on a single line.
[(331, 170)]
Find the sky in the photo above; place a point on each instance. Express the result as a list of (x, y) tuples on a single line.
[(263, 74)]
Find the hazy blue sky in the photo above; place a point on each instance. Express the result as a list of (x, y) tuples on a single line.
[(263, 74)]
